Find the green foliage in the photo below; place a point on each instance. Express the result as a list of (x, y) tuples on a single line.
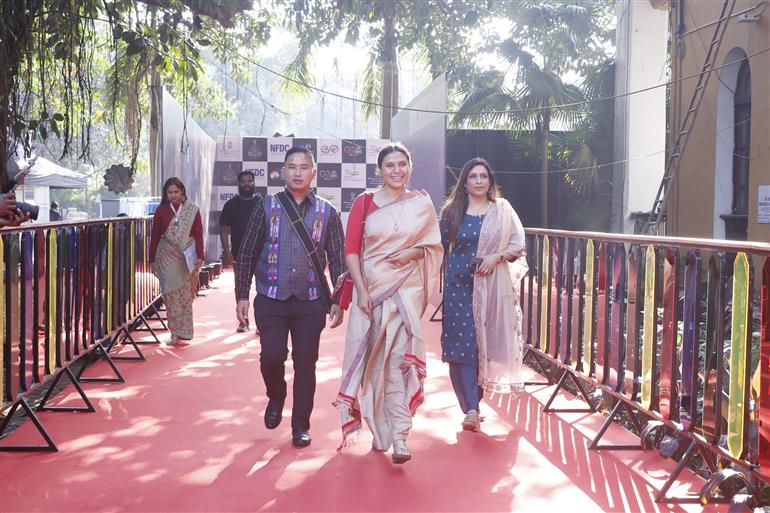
[(548, 40), (106, 150), (371, 93), (440, 31), (56, 54), (566, 36), (298, 75)]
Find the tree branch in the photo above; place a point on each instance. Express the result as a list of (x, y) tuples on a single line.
[(222, 11)]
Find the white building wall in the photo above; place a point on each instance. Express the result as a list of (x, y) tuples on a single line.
[(640, 119)]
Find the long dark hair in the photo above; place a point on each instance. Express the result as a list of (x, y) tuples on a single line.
[(454, 208), (172, 181)]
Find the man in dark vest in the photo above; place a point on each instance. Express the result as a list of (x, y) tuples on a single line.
[(292, 291)]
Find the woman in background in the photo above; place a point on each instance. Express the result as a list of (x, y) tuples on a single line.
[(481, 336), (176, 229)]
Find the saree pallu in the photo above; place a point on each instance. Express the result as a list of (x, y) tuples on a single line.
[(384, 364), (177, 284), (496, 310)]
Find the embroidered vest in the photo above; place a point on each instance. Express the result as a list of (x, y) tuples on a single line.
[(284, 269)]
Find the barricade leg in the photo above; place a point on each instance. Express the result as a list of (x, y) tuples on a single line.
[(618, 407), (50, 445), (126, 339), (66, 371), (565, 373), (101, 351)]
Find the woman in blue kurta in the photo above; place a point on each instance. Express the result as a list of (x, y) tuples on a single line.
[(481, 234), (458, 336)]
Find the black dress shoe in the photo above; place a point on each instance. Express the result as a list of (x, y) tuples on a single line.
[(301, 439), (273, 414)]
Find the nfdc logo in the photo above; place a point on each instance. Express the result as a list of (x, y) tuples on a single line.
[(277, 148), (257, 171), (226, 196)]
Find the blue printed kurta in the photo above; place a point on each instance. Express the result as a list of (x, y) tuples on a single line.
[(458, 337)]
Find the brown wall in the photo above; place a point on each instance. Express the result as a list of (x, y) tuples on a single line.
[(692, 197)]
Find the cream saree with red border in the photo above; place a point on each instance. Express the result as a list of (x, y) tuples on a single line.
[(384, 362)]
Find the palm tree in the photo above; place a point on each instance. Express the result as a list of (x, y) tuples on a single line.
[(583, 154), (531, 106), (546, 41)]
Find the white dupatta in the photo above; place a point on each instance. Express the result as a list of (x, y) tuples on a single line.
[(496, 310)]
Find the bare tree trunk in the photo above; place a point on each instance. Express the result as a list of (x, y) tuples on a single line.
[(156, 131), (545, 133), (156, 127), (389, 96), (15, 35), (5, 128)]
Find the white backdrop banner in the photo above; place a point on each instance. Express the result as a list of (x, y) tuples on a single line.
[(345, 168)]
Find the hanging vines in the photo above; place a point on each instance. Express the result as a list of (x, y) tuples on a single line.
[(47, 77)]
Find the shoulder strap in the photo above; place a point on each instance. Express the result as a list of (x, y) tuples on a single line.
[(307, 242)]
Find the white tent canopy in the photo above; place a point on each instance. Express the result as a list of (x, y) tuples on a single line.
[(46, 172)]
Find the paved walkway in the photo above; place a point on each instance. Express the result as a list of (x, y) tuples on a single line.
[(185, 433)]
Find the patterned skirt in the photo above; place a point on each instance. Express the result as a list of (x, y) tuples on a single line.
[(179, 309)]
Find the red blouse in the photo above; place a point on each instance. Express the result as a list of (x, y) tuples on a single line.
[(160, 221), (353, 234)]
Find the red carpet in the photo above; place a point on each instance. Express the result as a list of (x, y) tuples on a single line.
[(185, 433)]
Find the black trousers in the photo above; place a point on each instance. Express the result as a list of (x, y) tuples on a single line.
[(304, 320)]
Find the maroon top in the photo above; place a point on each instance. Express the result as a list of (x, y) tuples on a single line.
[(160, 221)]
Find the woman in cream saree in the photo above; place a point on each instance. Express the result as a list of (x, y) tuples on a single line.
[(384, 362)]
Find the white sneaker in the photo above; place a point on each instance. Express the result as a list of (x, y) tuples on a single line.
[(472, 421)]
